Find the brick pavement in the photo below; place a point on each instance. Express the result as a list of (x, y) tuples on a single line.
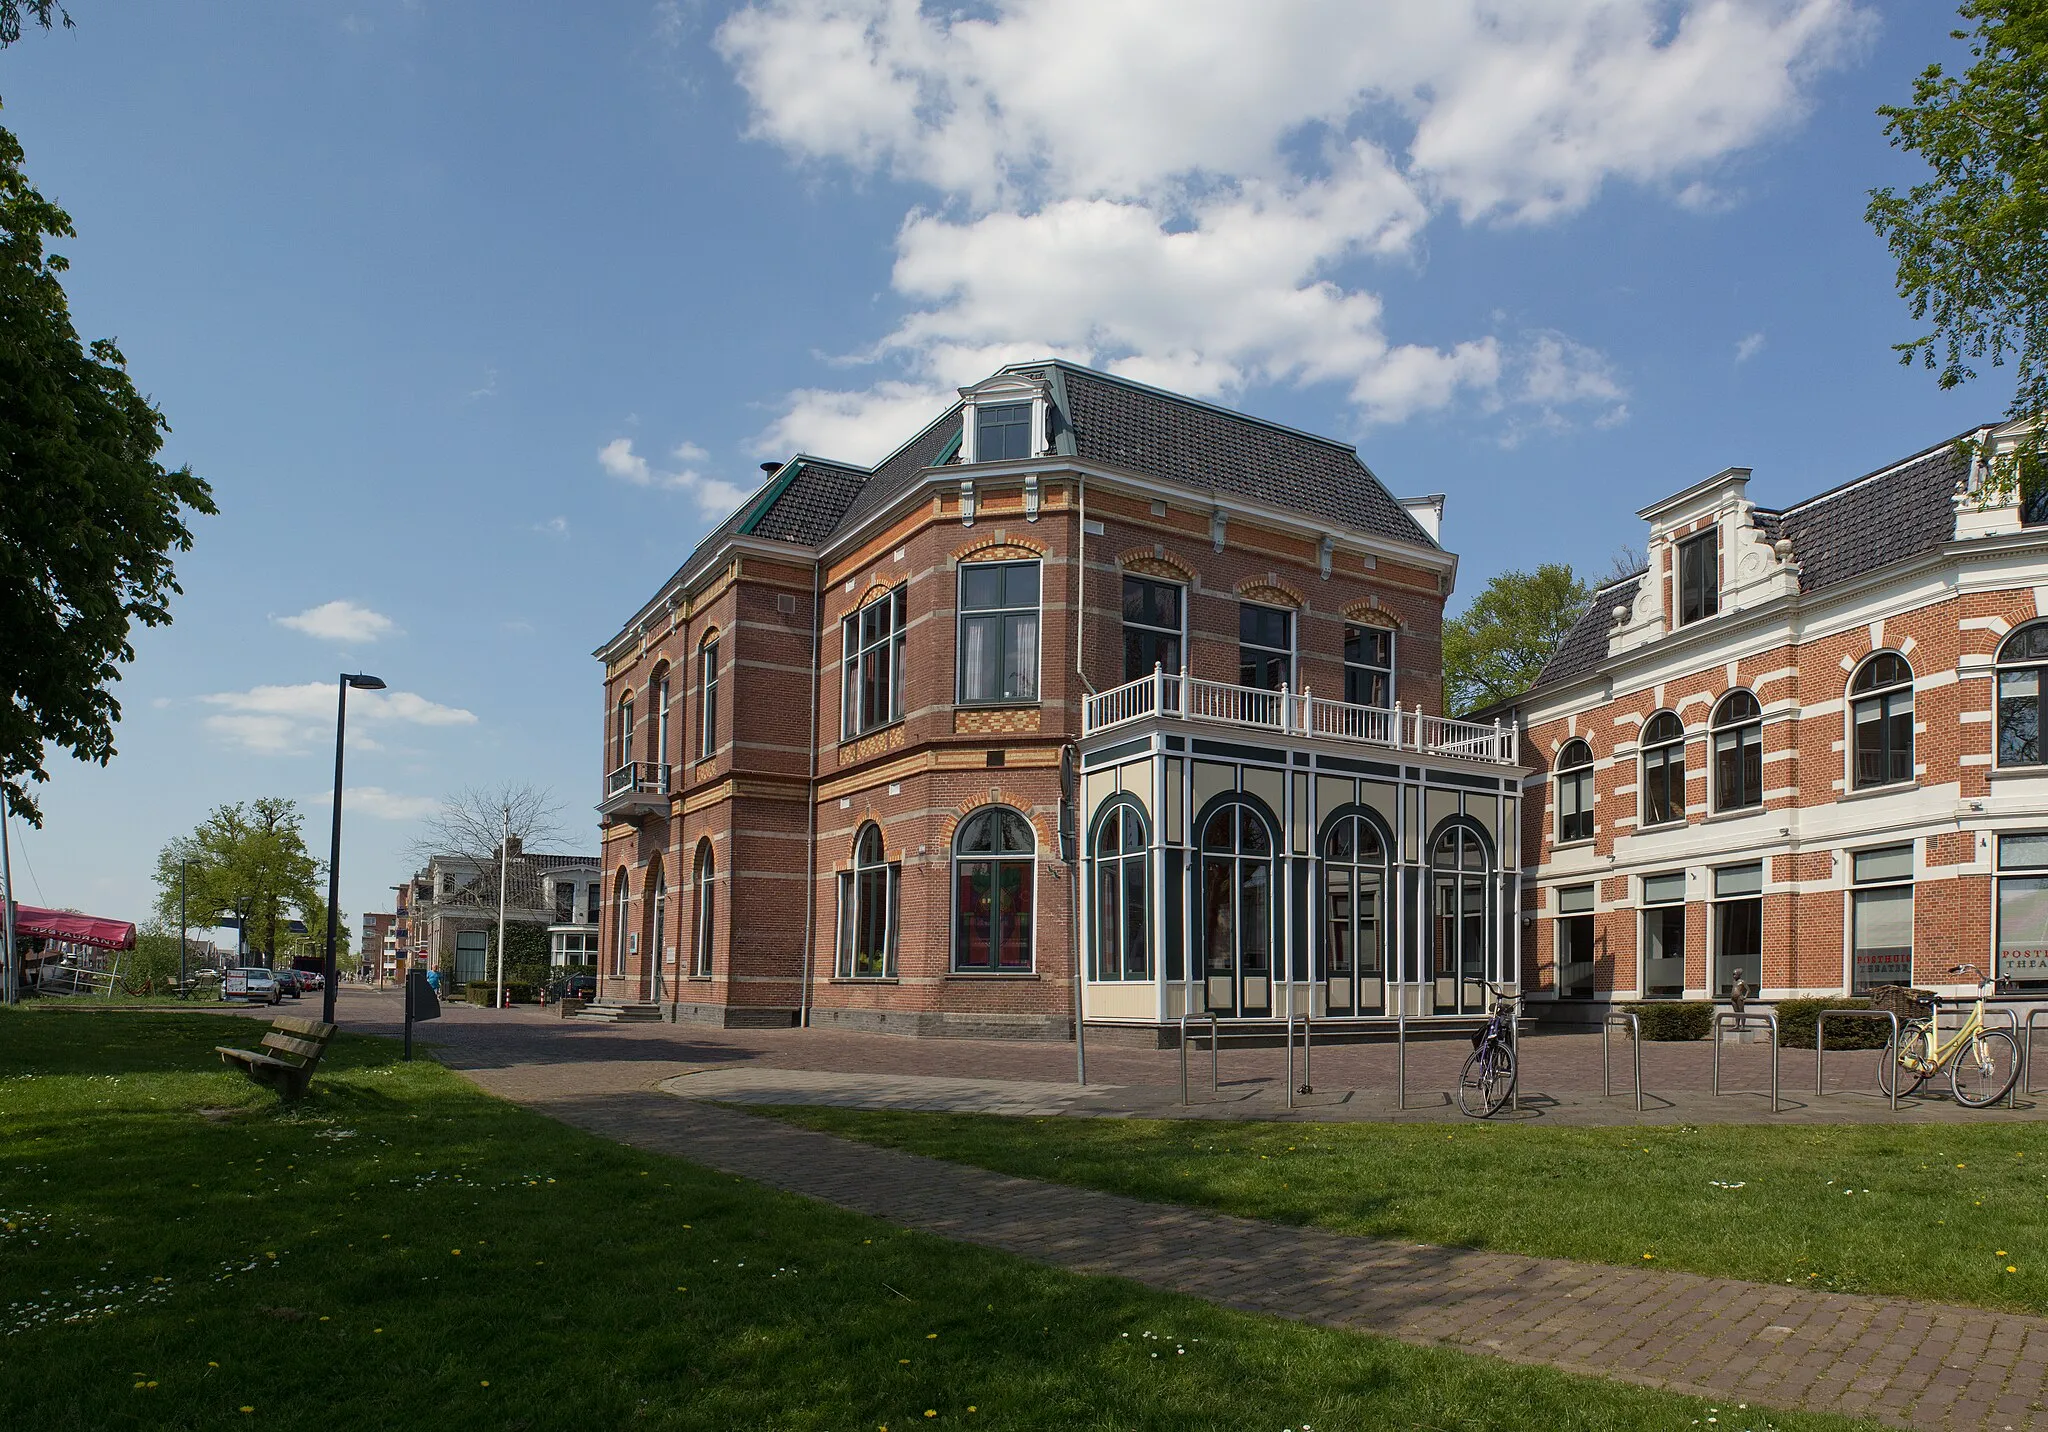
[(1898, 1361)]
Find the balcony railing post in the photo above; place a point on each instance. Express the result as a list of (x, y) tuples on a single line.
[(1158, 689)]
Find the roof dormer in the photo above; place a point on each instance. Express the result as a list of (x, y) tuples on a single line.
[(1007, 418), (1709, 553)]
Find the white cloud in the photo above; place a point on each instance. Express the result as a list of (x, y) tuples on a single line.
[(716, 498), (1172, 192), (377, 802), (1749, 346), (342, 621), (285, 720), (553, 527)]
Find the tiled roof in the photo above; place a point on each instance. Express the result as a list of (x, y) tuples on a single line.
[(810, 504), (1871, 522), (1211, 449)]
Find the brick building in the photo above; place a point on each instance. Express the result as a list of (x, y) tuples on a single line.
[(834, 738), (1802, 746)]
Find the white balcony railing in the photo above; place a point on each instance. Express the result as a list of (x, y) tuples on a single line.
[(637, 778), (1296, 713)]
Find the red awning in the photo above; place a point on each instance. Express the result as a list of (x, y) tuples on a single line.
[(31, 922)]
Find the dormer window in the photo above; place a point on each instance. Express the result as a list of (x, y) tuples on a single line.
[(1699, 577), (1002, 431)]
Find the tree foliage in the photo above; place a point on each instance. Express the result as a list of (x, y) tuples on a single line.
[(1971, 243), (1494, 650), (246, 865), (43, 12), (90, 518)]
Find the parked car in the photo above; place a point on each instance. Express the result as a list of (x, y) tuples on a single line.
[(252, 982), (291, 982), (581, 985), (312, 981)]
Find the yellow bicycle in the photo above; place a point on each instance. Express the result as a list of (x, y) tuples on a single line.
[(1982, 1063)]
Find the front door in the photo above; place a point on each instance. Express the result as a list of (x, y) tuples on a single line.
[(1237, 912), (1354, 889), (1459, 876)]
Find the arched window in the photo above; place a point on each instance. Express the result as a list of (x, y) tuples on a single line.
[(703, 924), (622, 735), (657, 931), (1738, 752), (619, 925), (1354, 919), (994, 861), (1881, 721), (1574, 791), (707, 698), (2022, 660), (867, 910), (1459, 869), (657, 709), (1663, 745), (1123, 947), (1237, 883)]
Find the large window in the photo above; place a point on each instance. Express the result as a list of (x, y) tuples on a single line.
[(1122, 946), (1575, 942), (867, 910), (622, 734), (1460, 872), (1265, 646), (1880, 918), (2022, 660), (565, 901), (1699, 576), (1368, 665), (1664, 936), (1881, 722), (1574, 792), (1663, 769), (873, 642), (1738, 752), (657, 925), (998, 632), (995, 857), (1236, 882), (707, 699), (2023, 912), (1354, 934), (704, 926), (472, 956), (1738, 928), (1152, 626), (657, 699), (592, 894), (1002, 430), (619, 925)]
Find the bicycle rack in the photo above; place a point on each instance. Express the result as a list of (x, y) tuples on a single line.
[(1727, 1019), (1215, 1038), (1401, 1059), (1820, 1045), (2027, 1055), (1307, 1055), (1635, 1030)]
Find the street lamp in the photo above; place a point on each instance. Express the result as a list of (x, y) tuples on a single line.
[(361, 683)]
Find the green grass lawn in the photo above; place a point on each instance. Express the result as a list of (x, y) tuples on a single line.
[(178, 1250), (1958, 1213)]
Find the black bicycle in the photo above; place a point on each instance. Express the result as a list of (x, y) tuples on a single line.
[(1487, 1081)]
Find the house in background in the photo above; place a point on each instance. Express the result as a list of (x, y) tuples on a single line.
[(833, 748), (450, 908), (1802, 748)]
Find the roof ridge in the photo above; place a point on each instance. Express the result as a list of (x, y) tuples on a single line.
[(1183, 398), (1828, 494)]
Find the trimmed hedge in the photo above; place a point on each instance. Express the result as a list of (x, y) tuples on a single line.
[(484, 991), (1672, 1020), (1797, 1019)]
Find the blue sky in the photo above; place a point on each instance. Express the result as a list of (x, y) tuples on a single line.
[(477, 315)]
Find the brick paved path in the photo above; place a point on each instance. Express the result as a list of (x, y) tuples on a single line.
[(1902, 1362)]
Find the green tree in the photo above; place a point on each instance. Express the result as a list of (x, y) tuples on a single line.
[(1971, 243), (1494, 650), (247, 865), (44, 12), (90, 517)]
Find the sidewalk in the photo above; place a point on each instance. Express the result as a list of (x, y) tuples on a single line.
[(1906, 1363)]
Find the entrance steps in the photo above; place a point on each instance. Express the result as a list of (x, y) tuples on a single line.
[(619, 1011)]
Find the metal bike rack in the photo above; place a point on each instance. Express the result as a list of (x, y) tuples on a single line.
[(1401, 1059), (1728, 1019), (1307, 1055), (1635, 1029), (1215, 1037), (2027, 1054), (1820, 1045)]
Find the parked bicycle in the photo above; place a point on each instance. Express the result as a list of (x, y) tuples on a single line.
[(1488, 1079), (1982, 1063)]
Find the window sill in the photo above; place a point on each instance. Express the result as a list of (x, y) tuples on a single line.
[(865, 980), (1679, 823), (1889, 788), (993, 975), (2019, 773), (1745, 813), (1016, 704), (1585, 843), (857, 737)]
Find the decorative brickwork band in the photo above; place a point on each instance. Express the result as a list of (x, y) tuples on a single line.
[(1008, 721)]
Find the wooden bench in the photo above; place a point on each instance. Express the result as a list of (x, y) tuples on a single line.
[(295, 1046)]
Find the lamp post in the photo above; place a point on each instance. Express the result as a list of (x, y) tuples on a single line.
[(184, 980), (10, 957), (361, 683)]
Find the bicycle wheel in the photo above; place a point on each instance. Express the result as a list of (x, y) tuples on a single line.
[(1983, 1072), (1486, 1081), (1912, 1045)]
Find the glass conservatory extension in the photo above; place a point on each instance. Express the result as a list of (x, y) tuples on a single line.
[(1317, 871)]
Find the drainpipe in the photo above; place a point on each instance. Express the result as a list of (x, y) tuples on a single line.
[(803, 998), (1074, 865)]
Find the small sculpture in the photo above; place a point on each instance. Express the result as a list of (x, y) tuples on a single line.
[(1738, 995)]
